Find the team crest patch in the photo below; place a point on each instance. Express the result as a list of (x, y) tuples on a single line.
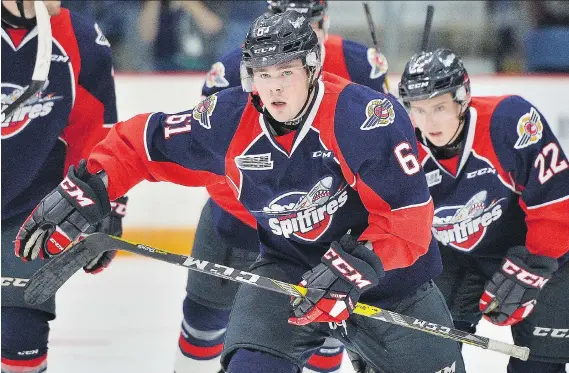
[(306, 215), (378, 63), (203, 111), (379, 113), (529, 128), (39, 105), (216, 76), (464, 226)]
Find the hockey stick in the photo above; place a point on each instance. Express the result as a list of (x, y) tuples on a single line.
[(48, 279), (43, 60), (427, 28), (371, 25)]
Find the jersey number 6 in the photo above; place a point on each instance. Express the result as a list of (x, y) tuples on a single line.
[(406, 158)]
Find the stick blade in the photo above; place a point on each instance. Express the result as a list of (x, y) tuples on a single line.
[(48, 279)]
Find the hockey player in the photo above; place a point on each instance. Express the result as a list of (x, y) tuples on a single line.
[(312, 158), (52, 130), (226, 231), (500, 184)]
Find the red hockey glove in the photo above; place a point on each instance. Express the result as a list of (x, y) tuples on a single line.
[(512, 293), (335, 285), (71, 210), (112, 225)]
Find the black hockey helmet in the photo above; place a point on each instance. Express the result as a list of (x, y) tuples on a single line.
[(314, 10), (279, 38), (431, 74)]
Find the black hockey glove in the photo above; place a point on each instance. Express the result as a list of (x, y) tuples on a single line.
[(112, 225), (70, 211), (334, 287), (512, 293)]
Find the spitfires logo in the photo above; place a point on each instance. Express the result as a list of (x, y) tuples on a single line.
[(529, 128), (379, 113), (463, 227), (216, 76), (378, 63), (306, 215), (39, 105), (203, 111)]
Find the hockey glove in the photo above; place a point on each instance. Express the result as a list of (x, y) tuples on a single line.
[(512, 293), (112, 225), (334, 287), (69, 212)]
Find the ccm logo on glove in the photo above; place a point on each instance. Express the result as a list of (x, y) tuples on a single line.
[(345, 269), (523, 275), (74, 191)]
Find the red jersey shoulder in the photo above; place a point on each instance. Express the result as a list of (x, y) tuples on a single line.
[(334, 59), (484, 110)]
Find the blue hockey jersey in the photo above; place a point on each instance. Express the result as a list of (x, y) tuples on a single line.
[(351, 166), (510, 185), (61, 123), (347, 59)]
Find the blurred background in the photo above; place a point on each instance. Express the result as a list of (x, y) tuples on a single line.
[(492, 36)]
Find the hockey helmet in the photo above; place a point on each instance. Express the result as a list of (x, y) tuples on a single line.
[(276, 39), (431, 74)]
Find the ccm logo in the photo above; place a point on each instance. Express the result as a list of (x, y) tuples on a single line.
[(14, 281), (75, 192), (118, 208), (347, 270), (550, 332), (523, 275)]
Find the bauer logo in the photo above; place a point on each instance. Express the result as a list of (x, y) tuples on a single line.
[(39, 105), (306, 215), (463, 227)]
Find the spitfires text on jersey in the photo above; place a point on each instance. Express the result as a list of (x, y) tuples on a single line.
[(310, 216)]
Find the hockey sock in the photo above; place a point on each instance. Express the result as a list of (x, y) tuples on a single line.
[(247, 361), (201, 338), (327, 359), (24, 340)]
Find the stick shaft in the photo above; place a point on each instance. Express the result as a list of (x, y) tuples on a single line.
[(427, 28), (48, 279)]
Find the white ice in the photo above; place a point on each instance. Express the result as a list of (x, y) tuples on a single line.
[(127, 319)]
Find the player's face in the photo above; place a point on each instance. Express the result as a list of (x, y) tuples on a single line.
[(282, 88), (437, 118)]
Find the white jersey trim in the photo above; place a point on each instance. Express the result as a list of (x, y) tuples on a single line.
[(415, 205), (145, 136), (548, 203), (32, 34)]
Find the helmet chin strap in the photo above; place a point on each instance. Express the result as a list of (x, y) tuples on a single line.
[(282, 128), (453, 146)]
